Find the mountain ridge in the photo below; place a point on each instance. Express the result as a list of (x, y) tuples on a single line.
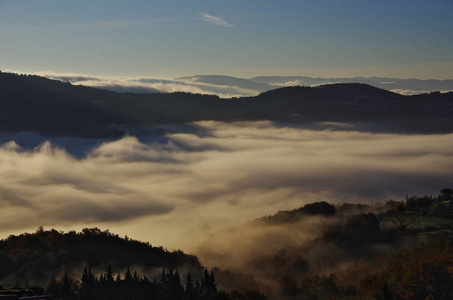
[(411, 85), (52, 107)]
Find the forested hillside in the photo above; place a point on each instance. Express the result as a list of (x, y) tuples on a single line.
[(387, 250), (35, 257), (95, 264)]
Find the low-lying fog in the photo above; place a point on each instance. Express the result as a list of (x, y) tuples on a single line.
[(178, 189)]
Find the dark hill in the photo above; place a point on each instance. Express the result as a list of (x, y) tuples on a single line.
[(33, 103), (291, 216), (354, 102), (415, 85), (50, 107), (34, 257)]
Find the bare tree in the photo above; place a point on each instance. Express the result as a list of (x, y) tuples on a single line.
[(401, 220)]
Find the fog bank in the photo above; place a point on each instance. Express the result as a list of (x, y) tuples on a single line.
[(176, 190)]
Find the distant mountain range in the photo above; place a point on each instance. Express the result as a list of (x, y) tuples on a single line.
[(265, 83), (52, 107), (230, 87)]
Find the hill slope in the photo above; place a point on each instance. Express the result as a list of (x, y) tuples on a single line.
[(349, 251)]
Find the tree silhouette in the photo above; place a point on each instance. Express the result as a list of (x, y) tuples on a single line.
[(446, 194), (319, 208), (67, 287), (128, 275), (109, 274), (189, 288), (401, 220), (88, 285), (208, 288), (362, 228)]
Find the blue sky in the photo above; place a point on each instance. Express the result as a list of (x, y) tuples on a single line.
[(402, 38)]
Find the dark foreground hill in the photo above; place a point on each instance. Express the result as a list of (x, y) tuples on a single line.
[(35, 257), (50, 107), (98, 265)]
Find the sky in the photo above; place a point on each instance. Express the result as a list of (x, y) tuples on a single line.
[(168, 39)]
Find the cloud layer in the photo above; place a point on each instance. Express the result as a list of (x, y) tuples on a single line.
[(228, 87), (178, 189), (151, 85)]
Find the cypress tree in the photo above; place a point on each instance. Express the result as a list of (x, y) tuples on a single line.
[(109, 274), (136, 277), (128, 275), (212, 283), (88, 284), (189, 288), (67, 292)]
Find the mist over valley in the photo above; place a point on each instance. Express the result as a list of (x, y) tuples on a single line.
[(201, 173), (226, 150)]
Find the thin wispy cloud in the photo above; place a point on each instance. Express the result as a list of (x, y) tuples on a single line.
[(216, 21)]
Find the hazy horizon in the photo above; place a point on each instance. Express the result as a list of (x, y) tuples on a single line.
[(227, 87)]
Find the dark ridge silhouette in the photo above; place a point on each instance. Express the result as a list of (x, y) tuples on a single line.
[(107, 267), (353, 102), (36, 256), (290, 216), (50, 107), (265, 83), (380, 82)]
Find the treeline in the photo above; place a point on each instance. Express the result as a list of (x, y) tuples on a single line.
[(439, 206), (111, 286), (289, 216)]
